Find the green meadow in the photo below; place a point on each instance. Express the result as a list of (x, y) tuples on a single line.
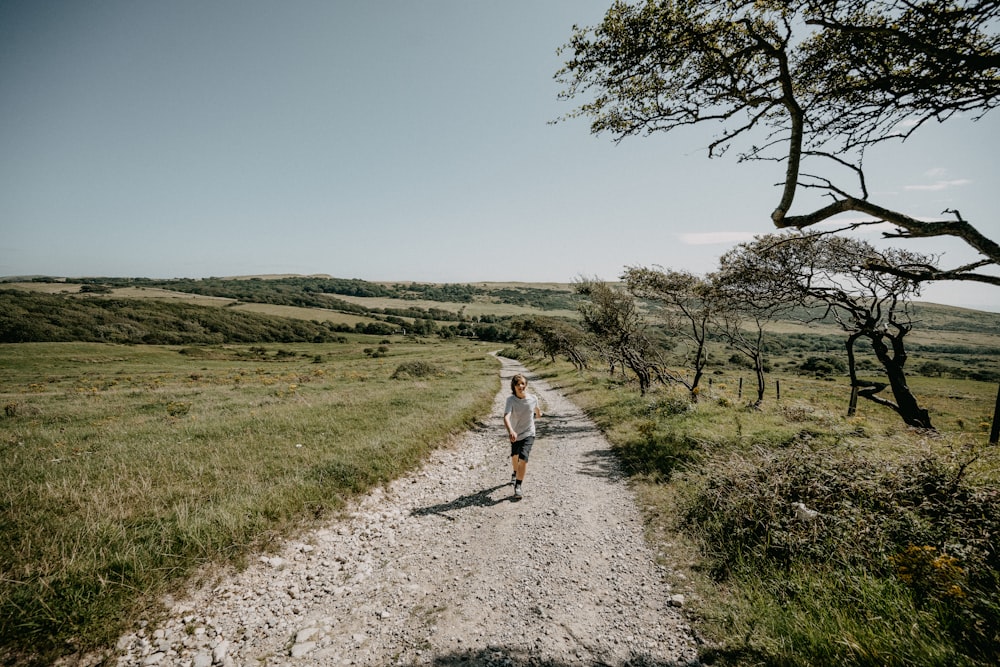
[(128, 469)]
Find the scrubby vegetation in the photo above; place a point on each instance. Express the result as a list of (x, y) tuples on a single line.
[(807, 528), (891, 558), (415, 369)]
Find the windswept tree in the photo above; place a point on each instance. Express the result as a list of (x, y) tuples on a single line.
[(620, 331), (741, 322), (554, 337), (685, 306), (834, 272), (812, 84)]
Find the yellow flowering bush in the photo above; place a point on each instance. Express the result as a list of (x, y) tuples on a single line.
[(930, 572)]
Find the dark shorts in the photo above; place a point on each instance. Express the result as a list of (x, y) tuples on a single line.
[(522, 448)]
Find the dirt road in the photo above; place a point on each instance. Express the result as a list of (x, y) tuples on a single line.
[(444, 567)]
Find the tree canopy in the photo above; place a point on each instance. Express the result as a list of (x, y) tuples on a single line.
[(811, 84)]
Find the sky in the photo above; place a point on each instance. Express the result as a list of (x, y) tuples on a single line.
[(386, 140)]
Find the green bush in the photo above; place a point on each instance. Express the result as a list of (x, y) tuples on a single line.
[(826, 365), (916, 524), (416, 369)]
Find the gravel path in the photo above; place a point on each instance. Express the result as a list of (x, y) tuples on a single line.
[(443, 567)]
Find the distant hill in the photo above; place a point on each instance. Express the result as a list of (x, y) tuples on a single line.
[(27, 317), (305, 308), (323, 292), (215, 310)]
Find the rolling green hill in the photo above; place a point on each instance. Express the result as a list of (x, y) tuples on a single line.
[(319, 308)]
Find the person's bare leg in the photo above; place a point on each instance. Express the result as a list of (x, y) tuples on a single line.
[(520, 469)]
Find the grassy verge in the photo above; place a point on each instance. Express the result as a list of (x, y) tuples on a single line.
[(126, 469), (900, 564)]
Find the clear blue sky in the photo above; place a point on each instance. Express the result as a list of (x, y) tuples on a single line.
[(383, 140)]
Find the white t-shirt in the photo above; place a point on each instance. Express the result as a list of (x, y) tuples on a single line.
[(522, 415)]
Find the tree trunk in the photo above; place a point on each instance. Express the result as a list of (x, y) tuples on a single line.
[(758, 367), (906, 402), (700, 361), (905, 405), (694, 387), (638, 366)]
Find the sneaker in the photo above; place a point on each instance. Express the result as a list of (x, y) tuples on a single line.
[(513, 478), (517, 491)]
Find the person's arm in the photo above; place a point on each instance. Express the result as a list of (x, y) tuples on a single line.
[(510, 429)]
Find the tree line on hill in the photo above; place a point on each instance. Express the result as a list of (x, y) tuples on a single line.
[(314, 292)]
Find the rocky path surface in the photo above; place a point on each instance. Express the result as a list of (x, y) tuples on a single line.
[(443, 567)]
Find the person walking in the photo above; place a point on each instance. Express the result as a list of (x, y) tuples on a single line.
[(519, 416)]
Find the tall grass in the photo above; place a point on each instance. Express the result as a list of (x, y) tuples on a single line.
[(900, 565), (125, 469)]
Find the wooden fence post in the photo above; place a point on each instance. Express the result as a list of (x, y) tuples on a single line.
[(995, 431), (777, 390), (853, 406), (740, 394)]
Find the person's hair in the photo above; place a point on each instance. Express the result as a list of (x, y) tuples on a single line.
[(517, 378)]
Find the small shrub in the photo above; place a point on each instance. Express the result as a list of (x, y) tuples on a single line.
[(798, 412), (822, 366), (178, 408), (415, 369), (670, 406), (647, 429), (516, 353)]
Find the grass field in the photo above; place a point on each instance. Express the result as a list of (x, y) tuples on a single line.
[(311, 314), (126, 469)]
